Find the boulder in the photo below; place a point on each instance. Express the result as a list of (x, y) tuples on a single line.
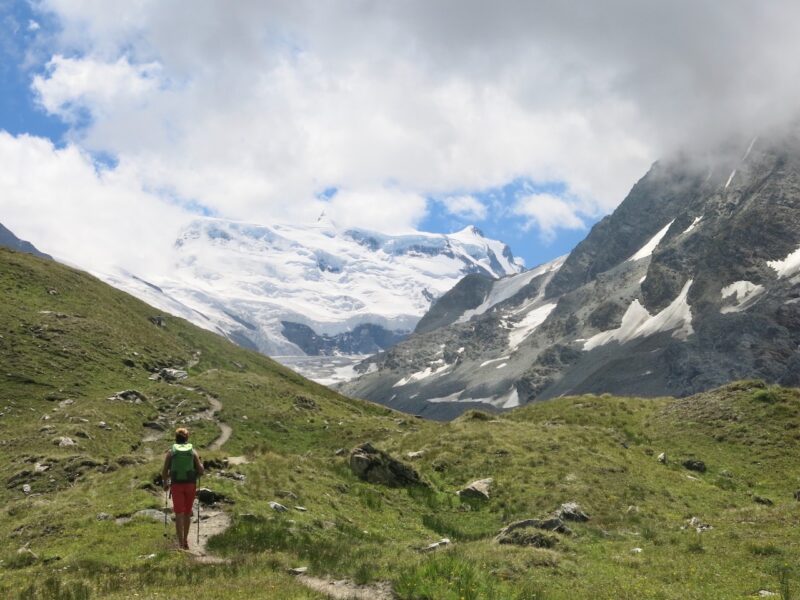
[(695, 465), (209, 497), (26, 489), (64, 442), (662, 458), (104, 516), (277, 507), (571, 511), (133, 396), (376, 466), (150, 513), (415, 455), (477, 489), (171, 375), (298, 570), (436, 545)]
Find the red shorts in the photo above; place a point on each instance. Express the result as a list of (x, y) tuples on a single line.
[(183, 497)]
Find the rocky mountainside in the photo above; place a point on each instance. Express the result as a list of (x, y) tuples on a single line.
[(9, 240), (692, 282), (313, 290)]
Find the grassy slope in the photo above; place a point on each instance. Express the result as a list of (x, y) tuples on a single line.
[(599, 451)]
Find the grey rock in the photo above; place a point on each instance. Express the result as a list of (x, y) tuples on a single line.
[(277, 506), (132, 396), (436, 545), (64, 442), (40, 468), (571, 511), (477, 489), (208, 497), (376, 466), (150, 513), (415, 455), (104, 516), (26, 489), (298, 570), (695, 465), (662, 458)]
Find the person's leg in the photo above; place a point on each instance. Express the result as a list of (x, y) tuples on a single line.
[(187, 521), (180, 527), (183, 508)]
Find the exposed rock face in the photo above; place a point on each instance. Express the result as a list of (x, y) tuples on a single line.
[(467, 294), (366, 338), (376, 466), (694, 281)]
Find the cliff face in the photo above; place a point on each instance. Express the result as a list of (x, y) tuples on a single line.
[(694, 281)]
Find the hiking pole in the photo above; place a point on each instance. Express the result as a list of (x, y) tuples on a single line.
[(198, 513), (166, 504)]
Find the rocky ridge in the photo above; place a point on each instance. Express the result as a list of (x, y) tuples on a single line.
[(694, 281)]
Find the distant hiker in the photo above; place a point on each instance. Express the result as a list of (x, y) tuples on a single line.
[(182, 468)]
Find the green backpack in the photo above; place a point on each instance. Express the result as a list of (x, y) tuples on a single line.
[(182, 464)]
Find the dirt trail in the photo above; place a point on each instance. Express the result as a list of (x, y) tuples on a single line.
[(225, 429), (347, 590)]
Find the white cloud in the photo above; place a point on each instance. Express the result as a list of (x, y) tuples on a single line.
[(548, 213), (33, 25), (73, 84), (92, 218), (389, 211), (466, 207), (253, 108)]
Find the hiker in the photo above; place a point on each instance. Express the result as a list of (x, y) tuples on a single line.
[(182, 469)]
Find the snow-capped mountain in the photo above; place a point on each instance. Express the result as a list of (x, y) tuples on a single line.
[(692, 282), (289, 290)]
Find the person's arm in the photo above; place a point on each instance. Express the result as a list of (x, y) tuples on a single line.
[(165, 470), (198, 465)]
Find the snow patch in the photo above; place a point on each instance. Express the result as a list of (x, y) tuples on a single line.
[(505, 288), (693, 225), (502, 366), (494, 360), (750, 147), (743, 292), (730, 179), (509, 400), (787, 266), (528, 324), (650, 246), (637, 322), (420, 375)]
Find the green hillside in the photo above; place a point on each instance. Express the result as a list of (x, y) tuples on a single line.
[(70, 344)]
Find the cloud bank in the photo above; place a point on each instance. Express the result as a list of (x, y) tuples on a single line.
[(253, 109)]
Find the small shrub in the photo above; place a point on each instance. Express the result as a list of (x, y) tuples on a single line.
[(767, 396), (764, 550)]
